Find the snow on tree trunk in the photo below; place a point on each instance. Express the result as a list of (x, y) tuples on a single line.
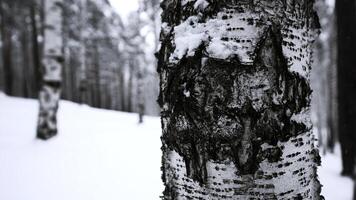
[(52, 68), (235, 98)]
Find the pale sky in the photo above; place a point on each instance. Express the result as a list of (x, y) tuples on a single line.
[(124, 7)]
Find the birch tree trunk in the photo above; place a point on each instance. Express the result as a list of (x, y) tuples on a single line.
[(52, 68), (235, 99)]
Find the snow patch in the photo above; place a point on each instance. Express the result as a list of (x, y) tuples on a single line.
[(188, 36), (95, 156), (303, 118), (224, 36), (201, 4), (184, 2), (98, 154), (165, 28), (186, 93), (220, 49)]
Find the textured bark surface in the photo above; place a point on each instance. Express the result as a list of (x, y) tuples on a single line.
[(52, 68), (235, 98)]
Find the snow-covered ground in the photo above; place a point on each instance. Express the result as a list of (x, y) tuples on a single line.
[(98, 155)]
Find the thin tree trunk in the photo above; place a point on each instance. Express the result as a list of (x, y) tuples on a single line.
[(346, 22), (6, 32), (122, 89), (332, 120), (235, 98), (52, 62), (130, 85), (35, 45), (140, 95), (82, 70), (354, 197), (1, 49), (97, 91), (26, 62), (73, 74)]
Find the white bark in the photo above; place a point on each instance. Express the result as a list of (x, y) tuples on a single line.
[(235, 97), (52, 70)]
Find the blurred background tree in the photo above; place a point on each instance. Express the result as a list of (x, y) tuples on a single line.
[(346, 71), (324, 79), (104, 57)]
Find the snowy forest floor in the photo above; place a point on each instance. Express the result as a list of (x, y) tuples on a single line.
[(98, 155)]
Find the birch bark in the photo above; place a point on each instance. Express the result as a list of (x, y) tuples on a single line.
[(235, 99), (49, 94)]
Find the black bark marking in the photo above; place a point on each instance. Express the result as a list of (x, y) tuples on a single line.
[(221, 120), (54, 84)]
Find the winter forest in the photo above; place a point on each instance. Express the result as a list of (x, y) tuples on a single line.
[(177, 99)]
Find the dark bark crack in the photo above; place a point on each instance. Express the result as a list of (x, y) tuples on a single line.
[(232, 108)]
